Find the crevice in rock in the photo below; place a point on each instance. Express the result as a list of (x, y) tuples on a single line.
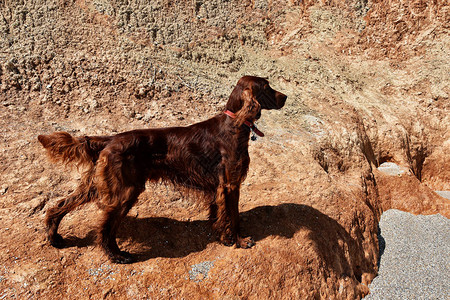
[(385, 158), (417, 160)]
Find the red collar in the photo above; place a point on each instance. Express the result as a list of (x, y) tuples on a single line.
[(247, 123)]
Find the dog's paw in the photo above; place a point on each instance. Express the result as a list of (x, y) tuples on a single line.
[(56, 241), (122, 258), (227, 240), (245, 243)]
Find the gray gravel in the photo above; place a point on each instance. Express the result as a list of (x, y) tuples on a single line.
[(415, 257), (445, 194)]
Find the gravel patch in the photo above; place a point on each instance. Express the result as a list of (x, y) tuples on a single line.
[(200, 271), (445, 194), (392, 169), (414, 260)]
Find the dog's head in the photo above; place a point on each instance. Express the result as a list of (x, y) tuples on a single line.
[(252, 94)]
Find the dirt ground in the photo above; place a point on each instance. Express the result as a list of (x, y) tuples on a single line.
[(367, 83)]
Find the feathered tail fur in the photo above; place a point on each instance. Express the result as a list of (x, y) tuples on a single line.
[(63, 147)]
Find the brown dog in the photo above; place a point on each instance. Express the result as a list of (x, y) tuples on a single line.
[(210, 156)]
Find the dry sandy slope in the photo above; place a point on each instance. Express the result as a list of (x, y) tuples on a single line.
[(367, 84)]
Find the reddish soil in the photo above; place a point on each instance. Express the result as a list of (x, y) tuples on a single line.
[(367, 83)]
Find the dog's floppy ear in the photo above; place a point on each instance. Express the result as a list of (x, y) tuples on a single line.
[(250, 108)]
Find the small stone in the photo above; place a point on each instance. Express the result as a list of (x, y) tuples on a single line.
[(4, 189)]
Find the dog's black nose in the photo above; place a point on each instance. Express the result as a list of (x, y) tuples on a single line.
[(281, 100)]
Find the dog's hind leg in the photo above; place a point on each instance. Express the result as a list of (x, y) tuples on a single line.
[(112, 217), (81, 195), (119, 183)]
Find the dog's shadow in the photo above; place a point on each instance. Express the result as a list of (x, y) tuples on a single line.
[(148, 238), (166, 237)]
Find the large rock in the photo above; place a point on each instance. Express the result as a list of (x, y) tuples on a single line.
[(367, 85)]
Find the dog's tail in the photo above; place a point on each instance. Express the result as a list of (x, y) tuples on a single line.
[(63, 147)]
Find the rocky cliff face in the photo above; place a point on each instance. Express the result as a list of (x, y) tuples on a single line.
[(367, 84)]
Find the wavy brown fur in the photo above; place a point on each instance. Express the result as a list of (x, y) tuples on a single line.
[(210, 157), (61, 146)]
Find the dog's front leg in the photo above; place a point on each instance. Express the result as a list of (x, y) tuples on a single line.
[(227, 224), (232, 202)]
